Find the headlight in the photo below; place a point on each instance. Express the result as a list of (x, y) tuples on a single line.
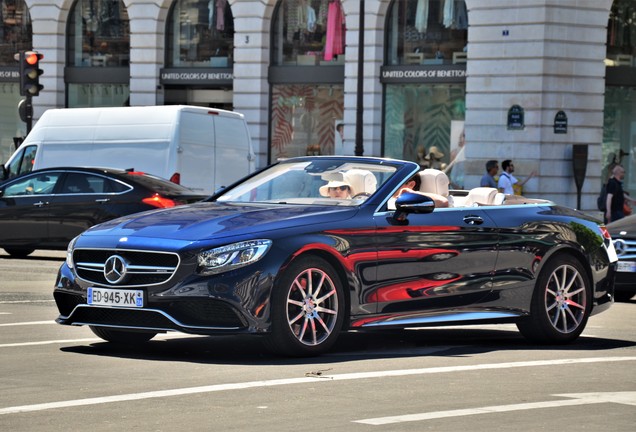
[(233, 256), (69, 253)]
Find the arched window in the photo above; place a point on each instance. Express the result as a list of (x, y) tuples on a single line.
[(426, 32), (200, 34), (308, 33), (98, 34), (15, 30)]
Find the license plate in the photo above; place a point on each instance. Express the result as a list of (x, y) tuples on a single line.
[(626, 266), (115, 297)]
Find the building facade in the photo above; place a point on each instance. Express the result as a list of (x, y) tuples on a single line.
[(447, 83)]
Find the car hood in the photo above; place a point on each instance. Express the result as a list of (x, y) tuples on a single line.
[(204, 221), (627, 224)]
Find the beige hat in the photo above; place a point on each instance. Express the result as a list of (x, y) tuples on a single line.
[(324, 190), (435, 152)]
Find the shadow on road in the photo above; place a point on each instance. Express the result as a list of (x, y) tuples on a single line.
[(248, 350)]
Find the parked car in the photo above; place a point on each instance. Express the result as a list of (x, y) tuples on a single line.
[(45, 209), (274, 256), (623, 233)]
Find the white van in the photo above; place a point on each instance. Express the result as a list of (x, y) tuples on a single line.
[(200, 148)]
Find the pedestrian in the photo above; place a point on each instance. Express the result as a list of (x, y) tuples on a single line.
[(508, 182), (488, 179), (616, 196)]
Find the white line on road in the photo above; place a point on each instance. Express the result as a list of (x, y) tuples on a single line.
[(303, 380), (628, 398), (27, 323), (49, 342), (25, 301)]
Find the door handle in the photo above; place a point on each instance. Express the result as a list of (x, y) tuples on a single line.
[(473, 220), (102, 200), (40, 204)]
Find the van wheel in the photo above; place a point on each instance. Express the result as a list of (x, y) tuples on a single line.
[(122, 336), (19, 253)]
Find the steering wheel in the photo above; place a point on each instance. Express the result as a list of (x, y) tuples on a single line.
[(361, 194)]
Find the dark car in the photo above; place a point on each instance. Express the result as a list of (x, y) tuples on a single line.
[(274, 256), (623, 233), (46, 209)]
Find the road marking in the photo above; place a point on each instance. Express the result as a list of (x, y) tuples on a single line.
[(25, 301), (627, 398), (27, 323), (303, 380), (49, 342)]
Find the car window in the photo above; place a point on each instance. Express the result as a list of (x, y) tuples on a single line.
[(23, 162), (40, 184), (308, 182), (76, 183)]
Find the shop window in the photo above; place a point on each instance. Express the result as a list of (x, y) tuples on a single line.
[(619, 134), (306, 120), (424, 123), (427, 32), (308, 33), (621, 34), (200, 34), (98, 95), (98, 34), (15, 30)]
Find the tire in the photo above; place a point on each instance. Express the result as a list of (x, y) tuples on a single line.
[(623, 296), (19, 253), (122, 336), (307, 309), (561, 303)]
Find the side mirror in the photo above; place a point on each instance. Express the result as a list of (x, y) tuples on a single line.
[(412, 203)]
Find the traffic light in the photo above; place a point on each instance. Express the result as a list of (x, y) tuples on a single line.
[(29, 72)]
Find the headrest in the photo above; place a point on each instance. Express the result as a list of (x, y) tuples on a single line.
[(434, 181), (361, 181), (481, 195)]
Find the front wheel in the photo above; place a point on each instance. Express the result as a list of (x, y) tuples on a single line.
[(561, 303), (307, 308), (122, 336)]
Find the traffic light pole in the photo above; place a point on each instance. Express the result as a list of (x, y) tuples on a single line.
[(29, 113)]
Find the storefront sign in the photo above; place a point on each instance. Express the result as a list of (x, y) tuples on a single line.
[(560, 123), (194, 76), (422, 74), (8, 74), (516, 118)]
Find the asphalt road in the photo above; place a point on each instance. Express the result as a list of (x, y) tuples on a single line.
[(484, 378)]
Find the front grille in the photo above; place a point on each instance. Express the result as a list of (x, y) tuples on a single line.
[(625, 248), (186, 314), (143, 268), (66, 302)]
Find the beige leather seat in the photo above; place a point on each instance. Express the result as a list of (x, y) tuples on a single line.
[(435, 182), (361, 181), (480, 196)]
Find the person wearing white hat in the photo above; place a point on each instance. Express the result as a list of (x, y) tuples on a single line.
[(336, 189)]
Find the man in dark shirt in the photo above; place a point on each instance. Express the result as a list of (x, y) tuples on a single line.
[(616, 196), (488, 179)]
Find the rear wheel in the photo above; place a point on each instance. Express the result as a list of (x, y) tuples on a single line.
[(122, 336), (561, 303), (19, 253), (307, 308)]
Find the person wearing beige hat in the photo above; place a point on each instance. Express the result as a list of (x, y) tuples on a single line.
[(336, 189)]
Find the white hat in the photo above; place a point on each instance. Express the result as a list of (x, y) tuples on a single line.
[(324, 190)]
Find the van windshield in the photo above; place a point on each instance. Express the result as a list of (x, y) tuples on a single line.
[(22, 162)]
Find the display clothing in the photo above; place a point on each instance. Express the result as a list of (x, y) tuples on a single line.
[(334, 44)]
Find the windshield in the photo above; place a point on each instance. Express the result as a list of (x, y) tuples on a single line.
[(314, 182)]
